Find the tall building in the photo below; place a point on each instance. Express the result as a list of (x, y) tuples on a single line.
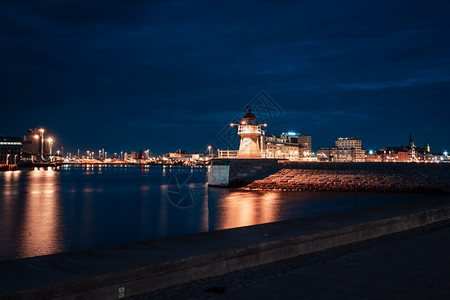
[(345, 150), (10, 149), (304, 142), (35, 147), (32, 145)]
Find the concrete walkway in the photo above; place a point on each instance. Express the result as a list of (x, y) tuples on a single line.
[(408, 265)]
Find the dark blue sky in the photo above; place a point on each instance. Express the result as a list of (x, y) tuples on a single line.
[(125, 75)]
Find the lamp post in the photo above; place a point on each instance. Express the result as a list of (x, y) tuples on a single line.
[(209, 149), (36, 137), (50, 143), (42, 143), (15, 159), (7, 159)]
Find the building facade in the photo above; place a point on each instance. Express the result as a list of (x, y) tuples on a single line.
[(280, 147), (409, 153), (290, 145), (35, 148), (346, 150), (10, 149), (304, 142)]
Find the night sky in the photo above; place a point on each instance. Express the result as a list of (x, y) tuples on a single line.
[(130, 75)]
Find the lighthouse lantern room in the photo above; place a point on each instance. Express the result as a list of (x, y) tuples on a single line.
[(250, 132)]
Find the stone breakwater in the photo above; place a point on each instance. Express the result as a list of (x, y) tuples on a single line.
[(357, 177)]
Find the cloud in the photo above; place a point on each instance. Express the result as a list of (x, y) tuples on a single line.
[(410, 82), (142, 63)]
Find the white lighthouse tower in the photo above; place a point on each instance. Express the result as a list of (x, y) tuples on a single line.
[(250, 132)]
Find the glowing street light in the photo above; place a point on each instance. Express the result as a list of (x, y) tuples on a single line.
[(42, 143), (7, 158), (50, 143), (209, 149)]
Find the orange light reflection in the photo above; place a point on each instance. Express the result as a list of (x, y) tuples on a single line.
[(40, 233), (248, 208)]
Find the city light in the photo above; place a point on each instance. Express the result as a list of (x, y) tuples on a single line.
[(50, 143)]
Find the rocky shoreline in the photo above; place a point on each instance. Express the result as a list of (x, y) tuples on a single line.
[(357, 178)]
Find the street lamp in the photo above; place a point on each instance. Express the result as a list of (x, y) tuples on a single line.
[(50, 143), (42, 143), (7, 159), (15, 159), (36, 137), (209, 149)]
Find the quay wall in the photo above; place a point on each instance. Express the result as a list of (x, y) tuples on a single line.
[(357, 177), (272, 174), (241, 171)]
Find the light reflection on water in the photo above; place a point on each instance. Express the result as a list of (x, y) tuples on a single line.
[(78, 207), (40, 232), (244, 208)]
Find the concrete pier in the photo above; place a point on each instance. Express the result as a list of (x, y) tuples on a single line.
[(263, 174), (117, 272)]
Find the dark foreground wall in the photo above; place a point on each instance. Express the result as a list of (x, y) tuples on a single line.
[(361, 177)]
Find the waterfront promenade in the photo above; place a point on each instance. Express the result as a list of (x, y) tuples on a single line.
[(139, 268), (414, 264)]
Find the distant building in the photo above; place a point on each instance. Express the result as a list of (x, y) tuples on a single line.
[(36, 147), (255, 143), (409, 153), (32, 145), (10, 149), (177, 154), (346, 150), (290, 145), (286, 146), (131, 157), (304, 142)]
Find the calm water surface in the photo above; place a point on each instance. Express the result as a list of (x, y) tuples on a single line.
[(78, 207)]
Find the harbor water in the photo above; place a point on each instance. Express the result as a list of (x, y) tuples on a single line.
[(46, 211)]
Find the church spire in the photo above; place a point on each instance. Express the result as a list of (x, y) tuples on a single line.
[(411, 143)]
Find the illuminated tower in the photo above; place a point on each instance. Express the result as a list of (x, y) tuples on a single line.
[(250, 132)]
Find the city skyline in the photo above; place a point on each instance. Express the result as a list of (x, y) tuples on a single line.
[(171, 75)]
